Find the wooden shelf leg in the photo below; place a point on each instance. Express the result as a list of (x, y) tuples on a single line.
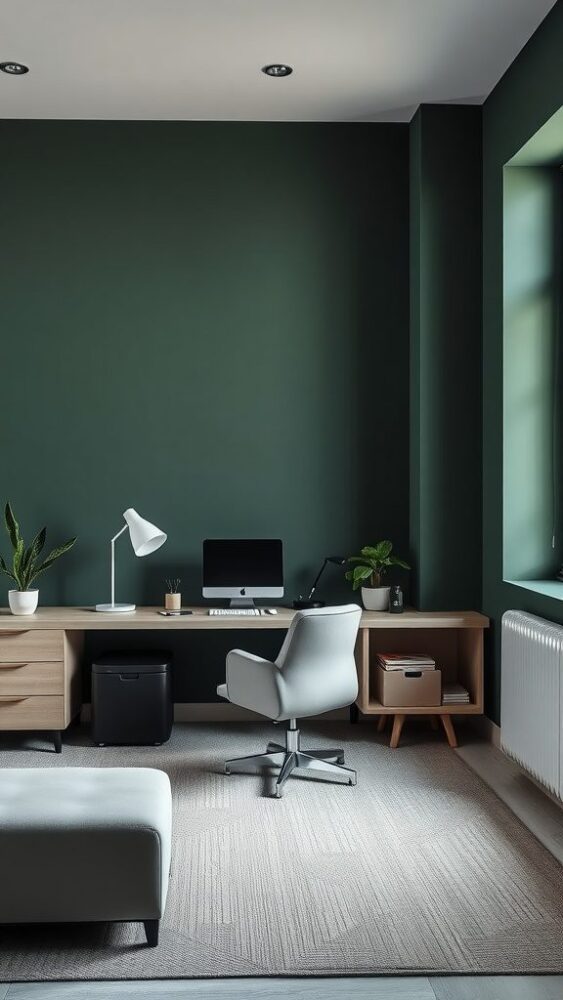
[(381, 723), (398, 721), (449, 729)]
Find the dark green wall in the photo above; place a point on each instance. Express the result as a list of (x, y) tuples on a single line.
[(415, 263), (208, 322), (445, 417), (529, 93)]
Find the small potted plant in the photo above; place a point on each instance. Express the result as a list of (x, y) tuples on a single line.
[(173, 599), (26, 565), (369, 572)]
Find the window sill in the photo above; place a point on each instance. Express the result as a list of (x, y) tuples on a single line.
[(549, 588)]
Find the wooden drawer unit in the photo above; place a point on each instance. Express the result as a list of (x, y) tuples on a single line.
[(37, 678), (32, 712), (31, 644)]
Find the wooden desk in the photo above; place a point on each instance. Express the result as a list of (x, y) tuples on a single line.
[(87, 620), (40, 654)]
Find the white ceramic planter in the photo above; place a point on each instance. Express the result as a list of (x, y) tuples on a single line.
[(376, 598), (23, 602)]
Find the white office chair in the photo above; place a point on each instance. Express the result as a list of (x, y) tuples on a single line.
[(314, 672)]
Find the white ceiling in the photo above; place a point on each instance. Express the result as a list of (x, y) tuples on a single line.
[(373, 60)]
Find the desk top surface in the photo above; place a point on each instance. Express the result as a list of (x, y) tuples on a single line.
[(88, 619)]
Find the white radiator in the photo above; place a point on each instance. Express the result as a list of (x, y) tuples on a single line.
[(531, 696)]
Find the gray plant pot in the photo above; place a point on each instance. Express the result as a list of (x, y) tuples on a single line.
[(376, 598)]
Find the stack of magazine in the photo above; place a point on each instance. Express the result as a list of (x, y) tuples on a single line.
[(454, 694), (406, 661)]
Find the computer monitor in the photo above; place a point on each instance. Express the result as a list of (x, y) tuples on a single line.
[(242, 569)]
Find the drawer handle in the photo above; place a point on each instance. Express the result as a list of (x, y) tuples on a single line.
[(10, 701), (12, 666)]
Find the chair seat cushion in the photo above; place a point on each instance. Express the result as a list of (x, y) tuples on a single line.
[(84, 843)]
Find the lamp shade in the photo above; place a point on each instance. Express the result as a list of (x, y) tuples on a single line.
[(145, 537)]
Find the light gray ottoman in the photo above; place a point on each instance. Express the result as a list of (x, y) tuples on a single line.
[(81, 844)]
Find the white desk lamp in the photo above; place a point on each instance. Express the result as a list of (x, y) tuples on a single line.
[(145, 538)]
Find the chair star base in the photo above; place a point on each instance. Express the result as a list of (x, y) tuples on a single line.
[(289, 758)]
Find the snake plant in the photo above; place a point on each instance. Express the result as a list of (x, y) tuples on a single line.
[(26, 563)]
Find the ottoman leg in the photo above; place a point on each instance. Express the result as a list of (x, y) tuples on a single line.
[(57, 740), (151, 930)]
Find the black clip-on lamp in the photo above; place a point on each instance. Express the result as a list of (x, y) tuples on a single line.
[(309, 602)]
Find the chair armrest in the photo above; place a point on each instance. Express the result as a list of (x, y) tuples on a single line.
[(253, 683)]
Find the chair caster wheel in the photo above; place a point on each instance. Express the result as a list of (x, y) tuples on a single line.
[(278, 793), (353, 781), (340, 760), (227, 770)]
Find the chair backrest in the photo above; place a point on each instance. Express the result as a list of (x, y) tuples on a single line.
[(317, 660)]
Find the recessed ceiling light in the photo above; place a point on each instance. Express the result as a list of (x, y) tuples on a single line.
[(277, 69), (14, 68)]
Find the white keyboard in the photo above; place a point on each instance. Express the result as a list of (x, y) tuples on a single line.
[(227, 612)]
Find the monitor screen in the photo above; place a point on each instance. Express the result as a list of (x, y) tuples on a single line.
[(231, 564)]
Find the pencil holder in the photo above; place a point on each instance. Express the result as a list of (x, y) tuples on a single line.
[(173, 599)]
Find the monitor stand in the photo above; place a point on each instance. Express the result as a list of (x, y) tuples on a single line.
[(241, 602)]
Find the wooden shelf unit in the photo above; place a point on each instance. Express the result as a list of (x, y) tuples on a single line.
[(454, 639)]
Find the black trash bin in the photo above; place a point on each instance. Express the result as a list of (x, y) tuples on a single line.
[(132, 698)]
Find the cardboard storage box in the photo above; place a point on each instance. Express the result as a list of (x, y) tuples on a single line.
[(402, 688)]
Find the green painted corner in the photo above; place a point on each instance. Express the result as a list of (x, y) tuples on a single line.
[(445, 422), (532, 525), (528, 95)]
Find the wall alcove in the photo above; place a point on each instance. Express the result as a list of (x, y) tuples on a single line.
[(533, 362)]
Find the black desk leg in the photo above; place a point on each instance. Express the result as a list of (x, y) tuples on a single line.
[(57, 740), (354, 713), (151, 930)]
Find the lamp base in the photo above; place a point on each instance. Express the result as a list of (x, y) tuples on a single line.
[(303, 605), (117, 609)]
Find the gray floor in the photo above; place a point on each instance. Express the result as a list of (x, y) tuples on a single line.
[(451, 988), (542, 815)]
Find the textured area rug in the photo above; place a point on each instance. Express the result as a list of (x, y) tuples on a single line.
[(417, 869)]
